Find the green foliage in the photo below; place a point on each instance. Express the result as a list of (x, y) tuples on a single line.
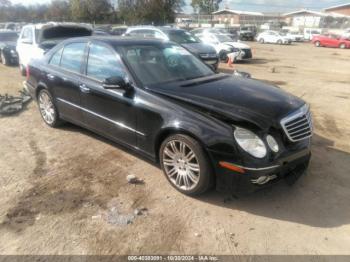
[(205, 6)]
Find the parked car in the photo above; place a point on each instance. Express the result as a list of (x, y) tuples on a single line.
[(118, 30), (224, 45), (221, 31), (8, 54), (331, 40), (158, 99), (295, 36), (273, 37), (182, 37), (100, 32), (309, 33), (35, 40), (247, 33)]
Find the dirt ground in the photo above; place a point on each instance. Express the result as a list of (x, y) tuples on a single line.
[(64, 191)]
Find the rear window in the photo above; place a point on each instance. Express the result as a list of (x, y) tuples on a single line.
[(61, 32)]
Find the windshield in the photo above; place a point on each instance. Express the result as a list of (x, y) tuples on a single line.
[(11, 37), (182, 37), (223, 38), (155, 64)]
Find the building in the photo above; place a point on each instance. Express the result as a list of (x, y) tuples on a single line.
[(343, 9), (304, 18)]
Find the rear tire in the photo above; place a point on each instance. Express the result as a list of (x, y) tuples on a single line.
[(279, 42), (261, 40), (186, 165), (342, 46), (47, 108), (22, 70), (223, 56), (4, 60)]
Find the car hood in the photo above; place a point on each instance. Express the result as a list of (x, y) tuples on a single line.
[(237, 45), (199, 48), (9, 44), (235, 98)]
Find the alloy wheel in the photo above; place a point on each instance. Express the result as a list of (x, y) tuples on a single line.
[(47, 108), (181, 165)]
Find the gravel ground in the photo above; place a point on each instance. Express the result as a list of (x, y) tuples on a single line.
[(64, 191)]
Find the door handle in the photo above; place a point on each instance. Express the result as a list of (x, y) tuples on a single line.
[(50, 76), (84, 88)]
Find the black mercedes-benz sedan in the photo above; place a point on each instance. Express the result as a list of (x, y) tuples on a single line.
[(155, 97)]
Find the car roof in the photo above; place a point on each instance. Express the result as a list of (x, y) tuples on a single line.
[(118, 40)]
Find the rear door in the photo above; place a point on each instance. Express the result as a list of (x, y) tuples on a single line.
[(110, 112), (63, 77)]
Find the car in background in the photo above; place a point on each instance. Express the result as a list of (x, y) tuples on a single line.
[(273, 37), (331, 40), (156, 98), (295, 36), (187, 40), (8, 54), (118, 30), (247, 33), (100, 32), (309, 33), (215, 31), (36, 39), (224, 45)]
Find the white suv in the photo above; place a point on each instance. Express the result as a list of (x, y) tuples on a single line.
[(36, 39)]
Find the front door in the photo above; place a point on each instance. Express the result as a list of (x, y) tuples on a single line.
[(110, 112)]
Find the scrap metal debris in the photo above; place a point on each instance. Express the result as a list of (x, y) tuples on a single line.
[(10, 105), (242, 74), (132, 179)]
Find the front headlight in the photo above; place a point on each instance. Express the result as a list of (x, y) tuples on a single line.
[(250, 142)]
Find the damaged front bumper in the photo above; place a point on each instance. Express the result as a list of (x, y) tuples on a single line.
[(245, 180)]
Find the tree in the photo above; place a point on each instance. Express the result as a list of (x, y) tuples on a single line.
[(59, 10), (156, 12), (90, 10), (206, 6)]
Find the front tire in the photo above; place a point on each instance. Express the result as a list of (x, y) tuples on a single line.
[(4, 60), (47, 109), (280, 42), (342, 46), (317, 43), (261, 40), (22, 70), (186, 165)]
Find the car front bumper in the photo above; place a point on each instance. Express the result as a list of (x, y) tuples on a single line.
[(288, 168)]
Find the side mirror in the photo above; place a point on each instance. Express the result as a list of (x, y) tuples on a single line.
[(116, 82)]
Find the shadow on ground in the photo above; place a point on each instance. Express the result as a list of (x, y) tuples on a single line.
[(320, 199)]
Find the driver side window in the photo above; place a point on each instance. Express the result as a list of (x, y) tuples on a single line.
[(103, 63)]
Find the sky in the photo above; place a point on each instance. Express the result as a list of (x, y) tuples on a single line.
[(248, 5)]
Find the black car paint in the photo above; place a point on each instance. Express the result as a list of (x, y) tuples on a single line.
[(6, 48), (205, 109)]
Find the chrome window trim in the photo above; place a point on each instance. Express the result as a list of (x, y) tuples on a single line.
[(102, 117)]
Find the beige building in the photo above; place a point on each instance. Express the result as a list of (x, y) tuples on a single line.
[(339, 9)]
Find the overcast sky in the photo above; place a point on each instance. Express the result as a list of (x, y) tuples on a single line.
[(249, 5)]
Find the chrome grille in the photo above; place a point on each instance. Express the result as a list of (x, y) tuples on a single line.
[(298, 125)]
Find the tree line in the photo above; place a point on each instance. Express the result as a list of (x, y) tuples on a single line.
[(155, 12)]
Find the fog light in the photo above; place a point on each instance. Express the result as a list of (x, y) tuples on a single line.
[(273, 145)]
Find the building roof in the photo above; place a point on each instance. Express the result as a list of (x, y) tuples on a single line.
[(301, 11), (237, 12), (337, 6)]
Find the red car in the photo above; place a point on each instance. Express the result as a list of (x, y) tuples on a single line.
[(331, 40)]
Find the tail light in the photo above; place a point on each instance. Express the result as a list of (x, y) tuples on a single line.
[(27, 72)]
